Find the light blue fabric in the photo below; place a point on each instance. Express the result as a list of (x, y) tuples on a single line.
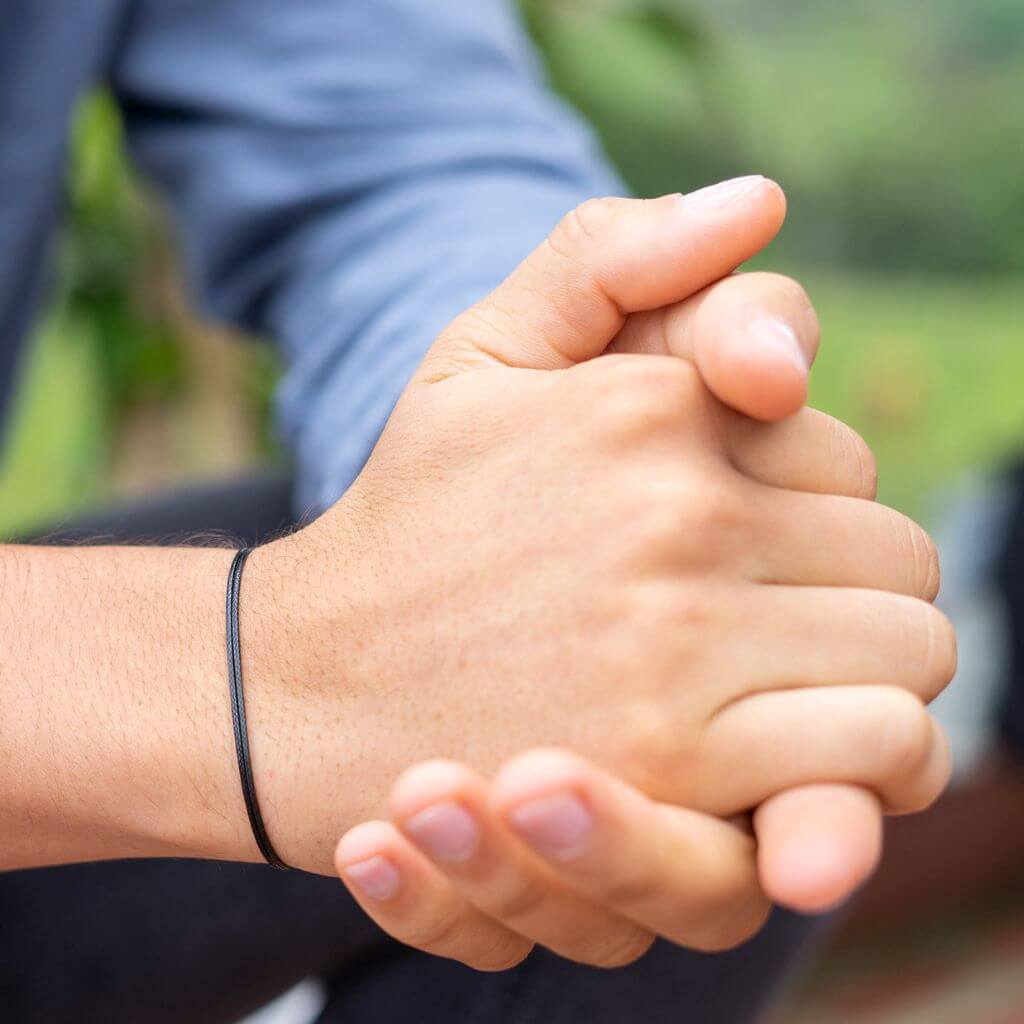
[(345, 176)]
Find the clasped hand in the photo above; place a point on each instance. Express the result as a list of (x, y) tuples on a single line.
[(581, 537)]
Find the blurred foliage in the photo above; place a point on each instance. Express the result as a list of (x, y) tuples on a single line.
[(895, 128), (113, 261), (928, 370), (111, 341)]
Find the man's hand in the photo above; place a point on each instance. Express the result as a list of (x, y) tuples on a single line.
[(597, 556), (549, 548), (556, 852), (754, 336), (553, 851)]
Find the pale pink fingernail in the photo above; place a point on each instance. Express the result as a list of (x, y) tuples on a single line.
[(447, 830), (375, 877), (557, 826), (714, 197), (774, 335)]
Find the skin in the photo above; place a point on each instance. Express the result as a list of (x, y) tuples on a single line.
[(542, 545), (816, 843)]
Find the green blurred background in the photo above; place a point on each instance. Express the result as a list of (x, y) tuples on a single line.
[(895, 128)]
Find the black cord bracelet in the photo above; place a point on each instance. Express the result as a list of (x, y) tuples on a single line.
[(259, 830)]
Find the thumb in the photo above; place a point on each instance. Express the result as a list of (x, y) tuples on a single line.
[(752, 336), (608, 258)]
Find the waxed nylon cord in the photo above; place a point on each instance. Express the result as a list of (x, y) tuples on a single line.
[(238, 722)]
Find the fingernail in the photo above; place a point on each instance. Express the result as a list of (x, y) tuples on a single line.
[(376, 877), (557, 826), (713, 197), (774, 335), (447, 830)]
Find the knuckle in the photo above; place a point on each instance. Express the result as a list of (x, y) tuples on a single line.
[(627, 891), (732, 890), (940, 778), (854, 453), (727, 931), (931, 573), (615, 947), (908, 735), (659, 524), (505, 953), (518, 901), (441, 933), (924, 562), (933, 781), (716, 515), (679, 519), (646, 750), (941, 657), (631, 413), (588, 222), (642, 394)]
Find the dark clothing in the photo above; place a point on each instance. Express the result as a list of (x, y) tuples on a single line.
[(180, 942)]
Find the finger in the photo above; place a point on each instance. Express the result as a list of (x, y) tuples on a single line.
[(851, 543), (413, 902), (817, 845), (810, 452), (829, 636), (442, 808), (876, 736), (610, 257), (752, 336), (685, 876)]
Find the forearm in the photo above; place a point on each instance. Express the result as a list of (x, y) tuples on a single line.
[(117, 738), (343, 198)]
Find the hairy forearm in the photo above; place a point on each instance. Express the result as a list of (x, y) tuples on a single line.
[(114, 712)]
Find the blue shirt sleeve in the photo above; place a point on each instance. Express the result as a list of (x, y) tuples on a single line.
[(347, 176)]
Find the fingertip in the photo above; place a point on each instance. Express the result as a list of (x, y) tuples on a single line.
[(754, 379), (817, 845), (815, 876), (427, 783), (535, 773), (765, 214), (772, 394), (775, 200), (363, 841), (367, 861)]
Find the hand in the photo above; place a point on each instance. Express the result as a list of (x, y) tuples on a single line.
[(553, 851), (583, 558), (754, 337), (452, 873)]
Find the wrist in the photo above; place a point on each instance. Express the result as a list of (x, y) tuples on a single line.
[(191, 802), (116, 740), (295, 624)]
